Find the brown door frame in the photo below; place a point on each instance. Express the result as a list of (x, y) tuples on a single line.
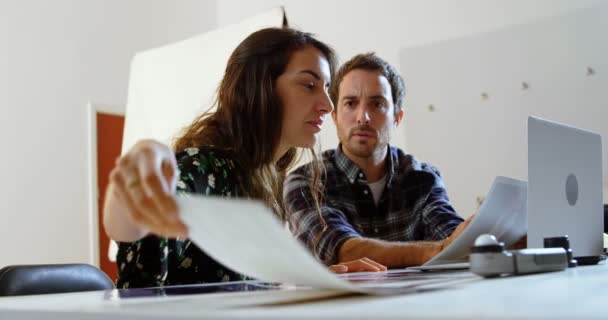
[(93, 191)]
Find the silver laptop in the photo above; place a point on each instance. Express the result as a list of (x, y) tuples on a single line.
[(565, 187)]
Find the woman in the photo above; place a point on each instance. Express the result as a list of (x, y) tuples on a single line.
[(272, 99)]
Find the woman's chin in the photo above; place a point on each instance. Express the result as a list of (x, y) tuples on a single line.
[(309, 142)]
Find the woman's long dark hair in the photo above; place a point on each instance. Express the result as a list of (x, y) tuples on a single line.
[(248, 118)]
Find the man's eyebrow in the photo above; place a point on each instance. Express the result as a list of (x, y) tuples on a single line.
[(350, 97), (378, 96)]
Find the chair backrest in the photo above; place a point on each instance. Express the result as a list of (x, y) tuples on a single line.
[(51, 278), (606, 218)]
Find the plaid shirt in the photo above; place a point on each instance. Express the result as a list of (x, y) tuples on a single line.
[(413, 206)]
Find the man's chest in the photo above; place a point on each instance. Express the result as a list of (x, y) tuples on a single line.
[(394, 218)]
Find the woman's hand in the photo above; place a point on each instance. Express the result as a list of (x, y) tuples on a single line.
[(142, 185), (359, 265)]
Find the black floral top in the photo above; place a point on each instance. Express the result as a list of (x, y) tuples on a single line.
[(154, 261)]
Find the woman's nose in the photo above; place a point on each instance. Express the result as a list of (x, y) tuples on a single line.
[(326, 105)]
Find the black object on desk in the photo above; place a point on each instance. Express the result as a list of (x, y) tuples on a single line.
[(561, 242), (606, 218), (20, 280)]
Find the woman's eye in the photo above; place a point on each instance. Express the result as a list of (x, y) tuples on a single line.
[(309, 85)]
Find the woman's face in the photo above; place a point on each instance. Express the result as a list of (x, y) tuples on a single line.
[(302, 91)]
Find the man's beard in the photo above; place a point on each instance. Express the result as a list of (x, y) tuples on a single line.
[(362, 149)]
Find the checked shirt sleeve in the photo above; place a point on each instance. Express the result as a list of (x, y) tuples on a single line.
[(324, 239), (438, 216)]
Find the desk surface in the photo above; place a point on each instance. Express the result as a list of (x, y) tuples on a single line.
[(575, 293)]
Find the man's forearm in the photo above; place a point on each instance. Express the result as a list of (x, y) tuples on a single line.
[(390, 254)]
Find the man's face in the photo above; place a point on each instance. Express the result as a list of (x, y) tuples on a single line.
[(365, 113)]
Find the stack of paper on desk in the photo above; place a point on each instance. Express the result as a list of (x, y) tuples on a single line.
[(247, 237)]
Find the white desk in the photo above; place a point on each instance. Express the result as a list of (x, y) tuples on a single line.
[(576, 293)]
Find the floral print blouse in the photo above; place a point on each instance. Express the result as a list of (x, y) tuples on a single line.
[(156, 261)]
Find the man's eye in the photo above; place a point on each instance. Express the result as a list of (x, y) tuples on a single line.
[(379, 104)]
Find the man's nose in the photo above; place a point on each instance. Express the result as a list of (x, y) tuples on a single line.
[(362, 116)]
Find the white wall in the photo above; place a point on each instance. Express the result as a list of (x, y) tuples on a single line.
[(473, 139), (387, 26), (55, 56)]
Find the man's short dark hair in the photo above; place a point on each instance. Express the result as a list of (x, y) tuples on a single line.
[(370, 61)]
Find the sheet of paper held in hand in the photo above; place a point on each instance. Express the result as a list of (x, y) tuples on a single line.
[(503, 214), (247, 237)]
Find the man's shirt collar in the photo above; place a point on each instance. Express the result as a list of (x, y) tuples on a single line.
[(354, 173)]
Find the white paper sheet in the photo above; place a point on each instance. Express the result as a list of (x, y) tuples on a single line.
[(247, 237), (502, 214)]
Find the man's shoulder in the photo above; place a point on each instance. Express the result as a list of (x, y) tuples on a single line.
[(407, 162), (327, 157)]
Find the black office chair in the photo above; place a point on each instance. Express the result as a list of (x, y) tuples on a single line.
[(606, 218), (51, 278)]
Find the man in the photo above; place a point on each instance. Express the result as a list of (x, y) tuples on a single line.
[(376, 201)]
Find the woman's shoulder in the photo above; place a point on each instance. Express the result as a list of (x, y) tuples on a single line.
[(206, 170), (205, 158)]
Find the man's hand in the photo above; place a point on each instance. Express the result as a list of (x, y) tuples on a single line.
[(442, 244), (144, 181), (457, 232), (522, 243), (359, 265)]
